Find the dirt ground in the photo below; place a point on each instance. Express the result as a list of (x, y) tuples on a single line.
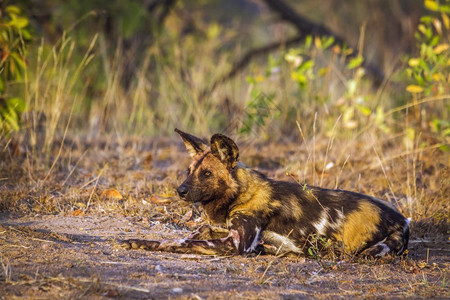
[(62, 257), (62, 240)]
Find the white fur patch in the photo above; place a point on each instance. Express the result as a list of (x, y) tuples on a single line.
[(385, 250), (336, 223), (281, 242), (302, 231), (255, 241), (407, 221), (322, 223), (235, 236)]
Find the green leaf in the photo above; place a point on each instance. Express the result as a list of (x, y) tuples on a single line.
[(12, 9), (213, 31), (426, 19), (250, 80), (355, 62), (417, 36), (419, 79), (11, 119), (327, 42), (414, 88), (19, 60), (298, 77), (441, 48), (308, 41), (431, 5), (17, 104), (19, 22), (323, 71), (307, 65), (422, 28), (446, 132), (435, 40), (414, 62), (351, 86), (444, 148), (26, 34), (364, 110)]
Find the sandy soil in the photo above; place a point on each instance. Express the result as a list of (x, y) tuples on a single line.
[(46, 256), (59, 236)]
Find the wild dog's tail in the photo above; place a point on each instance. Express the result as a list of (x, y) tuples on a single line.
[(405, 237), (396, 242)]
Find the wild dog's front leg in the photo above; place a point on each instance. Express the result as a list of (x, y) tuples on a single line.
[(207, 232), (243, 237), (222, 246), (141, 244), (246, 232)]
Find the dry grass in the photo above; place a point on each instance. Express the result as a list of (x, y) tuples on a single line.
[(83, 154), (146, 174)]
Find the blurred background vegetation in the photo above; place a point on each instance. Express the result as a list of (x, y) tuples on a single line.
[(143, 67)]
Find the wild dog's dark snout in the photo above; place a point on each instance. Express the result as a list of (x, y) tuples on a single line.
[(182, 191)]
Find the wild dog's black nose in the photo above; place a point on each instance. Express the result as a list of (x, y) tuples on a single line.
[(182, 191)]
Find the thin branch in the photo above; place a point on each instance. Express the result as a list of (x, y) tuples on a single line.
[(307, 27), (245, 60)]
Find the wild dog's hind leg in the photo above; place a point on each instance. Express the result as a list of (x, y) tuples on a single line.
[(396, 243)]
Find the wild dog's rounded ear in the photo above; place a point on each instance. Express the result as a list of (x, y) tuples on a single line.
[(194, 145), (225, 149)]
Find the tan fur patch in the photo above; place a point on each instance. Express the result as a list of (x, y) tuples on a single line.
[(255, 196), (295, 208), (359, 227)]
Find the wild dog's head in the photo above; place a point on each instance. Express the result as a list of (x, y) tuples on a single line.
[(210, 172)]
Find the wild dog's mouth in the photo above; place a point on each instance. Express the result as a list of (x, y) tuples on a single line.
[(193, 196), (182, 191), (188, 195)]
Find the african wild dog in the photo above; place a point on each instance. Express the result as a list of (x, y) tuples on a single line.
[(264, 215)]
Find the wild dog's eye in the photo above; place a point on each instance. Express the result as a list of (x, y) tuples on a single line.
[(207, 173)]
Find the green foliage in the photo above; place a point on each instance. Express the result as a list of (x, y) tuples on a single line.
[(302, 63), (355, 62), (14, 37), (122, 19), (320, 246), (312, 66), (429, 71), (258, 111)]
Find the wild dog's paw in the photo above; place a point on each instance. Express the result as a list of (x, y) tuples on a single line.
[(124, 244), (140, 244)]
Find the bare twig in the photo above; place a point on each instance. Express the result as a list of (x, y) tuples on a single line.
[(239, 65), (305, 27)]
